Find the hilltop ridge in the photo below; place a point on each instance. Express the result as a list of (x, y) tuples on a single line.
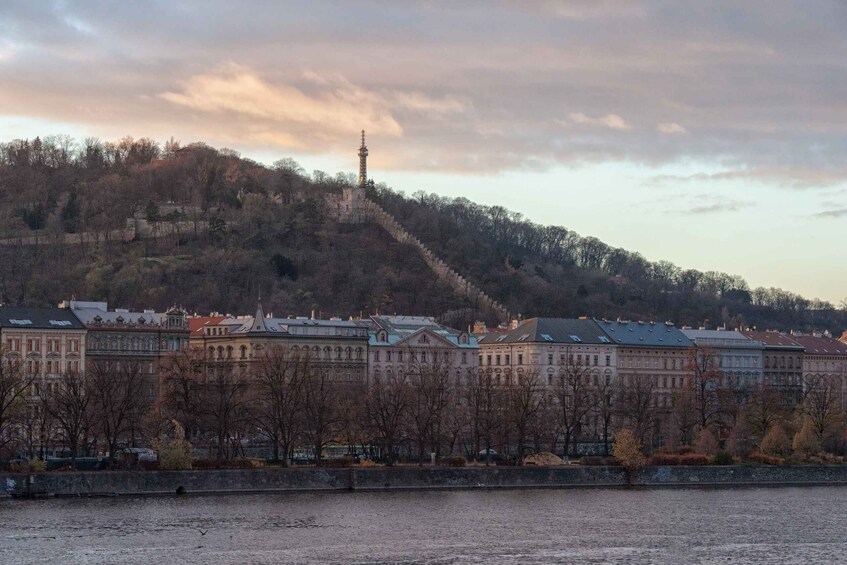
[(246, 230)]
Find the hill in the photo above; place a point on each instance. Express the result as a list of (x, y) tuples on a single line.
[(231, 230)]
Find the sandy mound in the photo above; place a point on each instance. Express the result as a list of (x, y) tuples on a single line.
[(545, 459)]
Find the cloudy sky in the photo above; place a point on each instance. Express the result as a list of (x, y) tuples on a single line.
[(711, 134)]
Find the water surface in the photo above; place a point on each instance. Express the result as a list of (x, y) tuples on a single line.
[(756, 525)]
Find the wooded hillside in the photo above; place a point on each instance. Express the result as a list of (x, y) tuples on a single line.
[(254, 230)]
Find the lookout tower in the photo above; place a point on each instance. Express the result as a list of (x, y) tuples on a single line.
[(363, 163), (353, 206)]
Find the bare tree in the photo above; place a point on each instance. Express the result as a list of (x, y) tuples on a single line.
[(822, 405), (430, 394), (69, 405), (635, 402), (117, 397), (485, 410), (524, 401), (704, 365), (320, 410), (279, 378), (386, 409), (14, 386), (181, 391), (764, 408), (224, 407), (574, 398)]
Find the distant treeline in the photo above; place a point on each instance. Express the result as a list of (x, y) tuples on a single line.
[(268, 235)]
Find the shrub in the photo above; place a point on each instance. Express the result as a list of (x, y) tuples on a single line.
[(664, 459), (627, 450), (174, 453), (776, 441), (336, 462), (597, 460), (234, 463), (723, 458), (453, 461), (765, 459), (694, 459), (34, 466), (806, 442), (706, 443)]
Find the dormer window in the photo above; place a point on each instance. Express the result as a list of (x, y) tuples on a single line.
[(463, 339), (382, 336)]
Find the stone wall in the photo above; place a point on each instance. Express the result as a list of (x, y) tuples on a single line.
[(442, 270), (382, 478)]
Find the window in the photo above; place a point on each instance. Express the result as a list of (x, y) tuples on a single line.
[(464, 357), (520, 358), (608, 360), (376, 355), (497, 359), (388, 355), (549, 358), (508, 359), (488, 359), (400, 356), (547, 337), (575, 339), (595, 360), (524, 337), (423, 356)]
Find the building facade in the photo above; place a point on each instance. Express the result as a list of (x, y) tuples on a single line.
[(337, 347), (739, 357), (124, 337), (547, 347), (824, 364), (653, 352), (403, 344), (782, 363), (46, 341)]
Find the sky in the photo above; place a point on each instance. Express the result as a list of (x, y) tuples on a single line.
[(710, 134)]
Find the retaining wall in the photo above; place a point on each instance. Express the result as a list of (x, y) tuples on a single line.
[(382, 478)]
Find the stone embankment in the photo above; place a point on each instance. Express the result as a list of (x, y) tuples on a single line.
[(98, 483), (460, 284)]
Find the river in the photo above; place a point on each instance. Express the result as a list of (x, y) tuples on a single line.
[(751, 525)]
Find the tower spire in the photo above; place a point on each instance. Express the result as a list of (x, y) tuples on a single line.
[(363, 163)]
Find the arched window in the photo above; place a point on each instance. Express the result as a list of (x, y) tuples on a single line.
[(348, 354), (229, 352), (243, 352), (359, 353), (220, 352)]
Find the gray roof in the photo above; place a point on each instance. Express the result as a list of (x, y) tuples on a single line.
[(306, 327), (721, 338), (399, 328), (645, 333), (23, 317), (550, 330)]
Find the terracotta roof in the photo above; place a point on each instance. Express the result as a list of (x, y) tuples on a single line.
[(843, 338), (773, 339), (197, 324), (821, 345)]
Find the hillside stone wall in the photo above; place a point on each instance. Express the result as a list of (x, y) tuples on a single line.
[(442, 270)]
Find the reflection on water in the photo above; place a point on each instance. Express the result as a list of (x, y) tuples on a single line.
[(789, 525)]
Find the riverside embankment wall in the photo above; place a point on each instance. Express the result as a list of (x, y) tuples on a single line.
[(399, 478)]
